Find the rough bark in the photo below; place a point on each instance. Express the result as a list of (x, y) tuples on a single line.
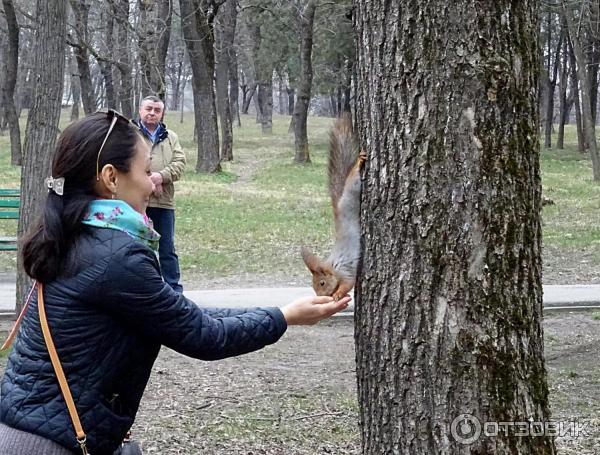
[(81, 9), (306, 18), (449, 294), (197, 22), (589, 127), (42, 121), (9, 82)]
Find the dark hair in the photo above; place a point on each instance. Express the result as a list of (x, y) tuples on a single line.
[(45, 249)]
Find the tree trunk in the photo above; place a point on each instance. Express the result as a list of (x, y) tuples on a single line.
[(9, 84), (589, 127), (75, 89), (81, 9), (248, 98), (550, 102), (42, 121), (291, 93), (449, 294), (121, 12), (197, 23), (154, 29), (234, 88), (264, 97), (281, 95), (575, 89), (106, 68), (306, 19), (224, 31), (562, 96)]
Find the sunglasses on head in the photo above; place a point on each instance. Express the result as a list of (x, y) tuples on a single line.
[(114, 116)]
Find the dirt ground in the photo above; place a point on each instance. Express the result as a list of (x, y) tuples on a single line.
[(298, 397)]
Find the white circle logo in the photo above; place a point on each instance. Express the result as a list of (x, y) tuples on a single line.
[(466, 429)]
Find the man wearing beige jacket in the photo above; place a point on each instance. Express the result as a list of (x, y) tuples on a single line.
[(168, 163)]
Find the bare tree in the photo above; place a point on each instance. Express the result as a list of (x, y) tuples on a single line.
[(449, 297)]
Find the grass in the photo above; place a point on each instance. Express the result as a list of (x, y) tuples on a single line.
[(250, 219)]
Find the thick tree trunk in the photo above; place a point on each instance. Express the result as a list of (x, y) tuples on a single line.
[(81, 9), (42, 121), (589, 127), (198, 31), (449, 296), (9, 84), (306, 20)]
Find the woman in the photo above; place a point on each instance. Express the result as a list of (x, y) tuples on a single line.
[(107, 307)]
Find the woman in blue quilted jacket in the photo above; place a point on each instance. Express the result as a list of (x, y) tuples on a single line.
[(94, 257)]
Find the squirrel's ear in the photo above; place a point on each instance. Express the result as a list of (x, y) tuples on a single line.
[(312, 262)]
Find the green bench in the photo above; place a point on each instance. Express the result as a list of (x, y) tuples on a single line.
[(9, 210)]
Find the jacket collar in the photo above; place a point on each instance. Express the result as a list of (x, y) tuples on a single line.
[(162, 134)]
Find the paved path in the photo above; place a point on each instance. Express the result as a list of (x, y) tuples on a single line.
[(555, 297)]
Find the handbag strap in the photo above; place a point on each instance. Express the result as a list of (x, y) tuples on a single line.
[(60, 374)]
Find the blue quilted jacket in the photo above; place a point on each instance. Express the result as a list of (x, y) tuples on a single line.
[(109, 317)]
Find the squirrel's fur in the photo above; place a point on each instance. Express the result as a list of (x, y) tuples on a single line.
[(336, 275)]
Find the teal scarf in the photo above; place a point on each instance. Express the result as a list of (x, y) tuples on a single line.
[(116, 214)]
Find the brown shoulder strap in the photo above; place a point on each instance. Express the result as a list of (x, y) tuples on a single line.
[(60, 374)]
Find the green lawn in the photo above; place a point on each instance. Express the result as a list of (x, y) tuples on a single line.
[(250, 220)]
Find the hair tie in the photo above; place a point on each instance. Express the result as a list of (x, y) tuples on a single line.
[(56, 185)]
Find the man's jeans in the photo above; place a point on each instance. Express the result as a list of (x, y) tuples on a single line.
[(164, 224)]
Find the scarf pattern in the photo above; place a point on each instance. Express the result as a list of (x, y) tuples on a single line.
[(117, 214)]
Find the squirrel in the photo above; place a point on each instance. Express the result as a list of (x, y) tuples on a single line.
[(336, 275)]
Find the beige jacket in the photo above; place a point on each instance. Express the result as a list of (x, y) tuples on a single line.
[(168, 159)]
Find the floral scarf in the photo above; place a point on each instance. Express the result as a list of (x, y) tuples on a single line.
[(117, 214)]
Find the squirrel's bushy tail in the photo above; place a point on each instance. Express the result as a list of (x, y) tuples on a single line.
[(343, 153)]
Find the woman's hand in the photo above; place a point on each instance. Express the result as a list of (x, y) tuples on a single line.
[(310, 310)]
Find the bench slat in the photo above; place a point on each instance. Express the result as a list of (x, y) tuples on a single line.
[(10, 192), (11, 204), (9, 215)]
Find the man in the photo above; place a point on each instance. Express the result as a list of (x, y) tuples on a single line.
[(168, 163)]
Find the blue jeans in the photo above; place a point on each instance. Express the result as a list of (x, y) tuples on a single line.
[(164, 224)]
